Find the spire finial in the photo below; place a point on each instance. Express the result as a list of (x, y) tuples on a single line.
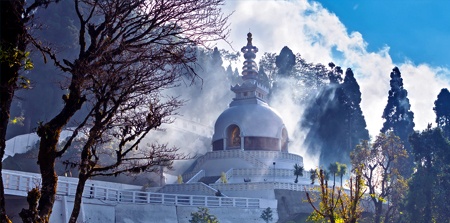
[(249, 39), (250, 70)]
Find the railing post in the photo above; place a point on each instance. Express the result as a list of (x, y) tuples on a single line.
[(6, 181), (134, 197), (30, 182), (19, 182)]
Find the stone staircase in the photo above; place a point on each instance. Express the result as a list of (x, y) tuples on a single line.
[(209, 180)]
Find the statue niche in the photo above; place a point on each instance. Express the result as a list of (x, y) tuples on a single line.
[(234, 137)]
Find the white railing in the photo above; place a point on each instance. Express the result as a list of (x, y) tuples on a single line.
[(23, 182), (20, 182), (276, 155), (229, 154), (196, 177), (253, 157), (262, 186), (248, 172), (197, 187)]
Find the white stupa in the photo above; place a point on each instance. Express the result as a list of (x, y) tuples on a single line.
[(250, 155)]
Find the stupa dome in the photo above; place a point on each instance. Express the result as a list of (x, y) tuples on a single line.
[(250, 123)]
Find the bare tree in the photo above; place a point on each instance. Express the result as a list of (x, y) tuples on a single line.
[(123, 42), (126, 104)]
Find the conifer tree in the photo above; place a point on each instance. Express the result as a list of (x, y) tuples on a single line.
[(216, 58), (285, 61), (442, 110), (335, 119), (263, 78), (427, 199), (397, 114), (356, 124)]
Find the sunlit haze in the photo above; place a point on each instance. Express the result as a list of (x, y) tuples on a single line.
[(320, 36)]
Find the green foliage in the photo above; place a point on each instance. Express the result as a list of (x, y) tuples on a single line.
[(333, 168), (16, 57), (298, 171), (335, 204), (427, 199), (335, 119), (342, 171), (380, 164), (337, 169), (203, 216), (267, 215), (313, 175), (285, 61), (397, 114), (442, 110)]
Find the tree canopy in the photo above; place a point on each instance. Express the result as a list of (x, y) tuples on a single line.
[(427, 199), (380, 164), (442, 110), (335, 119), (397, 114)]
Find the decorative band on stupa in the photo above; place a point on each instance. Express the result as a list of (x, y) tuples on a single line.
[(250, 69)]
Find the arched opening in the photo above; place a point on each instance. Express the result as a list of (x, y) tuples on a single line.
[(233, 137)]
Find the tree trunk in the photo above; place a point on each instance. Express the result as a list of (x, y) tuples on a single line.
[(49, 135), (82, 178), (46, 159), (378, 211), (85, 171), (11, 36), (6, 99)]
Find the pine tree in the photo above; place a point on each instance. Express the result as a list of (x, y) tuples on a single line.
[(229, 72), (263, 78), (427, 199), (442, 110), (356, 124), (285, 61), (216, 58), (397, 114), (335, 119), (267, 215)]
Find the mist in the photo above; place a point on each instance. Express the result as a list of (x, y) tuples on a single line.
[(318, 34)]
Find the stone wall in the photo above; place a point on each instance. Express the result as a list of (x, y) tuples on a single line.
[(292, 204)]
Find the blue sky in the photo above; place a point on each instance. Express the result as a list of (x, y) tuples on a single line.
[(417, 30), (371, 37)]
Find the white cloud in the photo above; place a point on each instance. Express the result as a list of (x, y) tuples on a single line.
[(311, 30)]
